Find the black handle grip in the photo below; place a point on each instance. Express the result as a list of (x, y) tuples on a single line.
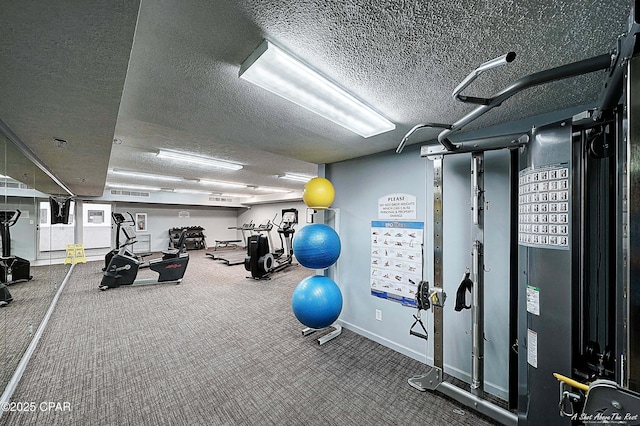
[(417, 334)]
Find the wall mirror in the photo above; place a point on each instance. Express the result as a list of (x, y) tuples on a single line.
[(33, 263)]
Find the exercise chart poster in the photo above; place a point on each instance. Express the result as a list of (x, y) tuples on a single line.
[(396, 260)]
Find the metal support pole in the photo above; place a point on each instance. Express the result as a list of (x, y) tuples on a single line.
[(477, 299), (477, 327), (432, 379), (437, 260)]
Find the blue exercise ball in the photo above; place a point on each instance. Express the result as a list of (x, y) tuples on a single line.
[(317, 301), (316, 246)]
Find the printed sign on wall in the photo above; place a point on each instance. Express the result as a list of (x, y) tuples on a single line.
[(397, 207), (544, 220), (396, 260)]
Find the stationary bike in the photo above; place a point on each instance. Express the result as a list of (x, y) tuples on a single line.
[(123, 268), (260, 261), (13, 269)]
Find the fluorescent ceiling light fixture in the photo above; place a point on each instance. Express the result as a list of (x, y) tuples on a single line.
[(134, 187), (268, 189), (222, 184), (192, 191), (296, 177), (205, 161), (144, 175), (276, 71)]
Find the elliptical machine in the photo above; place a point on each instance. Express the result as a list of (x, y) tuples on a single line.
[(119, 220), (13, 269), (123, 268), (260, 261)]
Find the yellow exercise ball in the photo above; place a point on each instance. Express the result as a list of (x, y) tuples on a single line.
[(318, 193)]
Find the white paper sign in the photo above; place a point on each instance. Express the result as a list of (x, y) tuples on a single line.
[(397, 207), (533, 300), (532, 348)]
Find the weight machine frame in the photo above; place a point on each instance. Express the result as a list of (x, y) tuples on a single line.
[(616, 63)]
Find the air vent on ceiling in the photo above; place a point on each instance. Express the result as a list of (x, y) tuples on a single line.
[(129, 193), (221, 199), (12, 185)]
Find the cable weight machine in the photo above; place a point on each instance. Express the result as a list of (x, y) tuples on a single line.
[(577, 272), (435, 298)]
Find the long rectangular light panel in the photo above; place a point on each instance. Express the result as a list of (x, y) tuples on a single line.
[(173, 155), (296, 177), (145, 175), (271, 189), (274, 70), (222, 184)]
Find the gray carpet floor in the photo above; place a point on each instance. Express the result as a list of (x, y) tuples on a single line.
[(20, 319), (218, 349)]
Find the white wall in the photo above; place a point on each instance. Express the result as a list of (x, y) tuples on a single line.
[(358, 184), (215, 221), (96, 233)]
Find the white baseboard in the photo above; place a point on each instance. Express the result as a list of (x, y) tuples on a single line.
[(385, 342)]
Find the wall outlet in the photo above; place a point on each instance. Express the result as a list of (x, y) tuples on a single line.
[(378, 314)]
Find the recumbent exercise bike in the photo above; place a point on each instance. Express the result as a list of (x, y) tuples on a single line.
[(123, 268)]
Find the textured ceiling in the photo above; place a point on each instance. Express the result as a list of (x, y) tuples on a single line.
[(64, 66)]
